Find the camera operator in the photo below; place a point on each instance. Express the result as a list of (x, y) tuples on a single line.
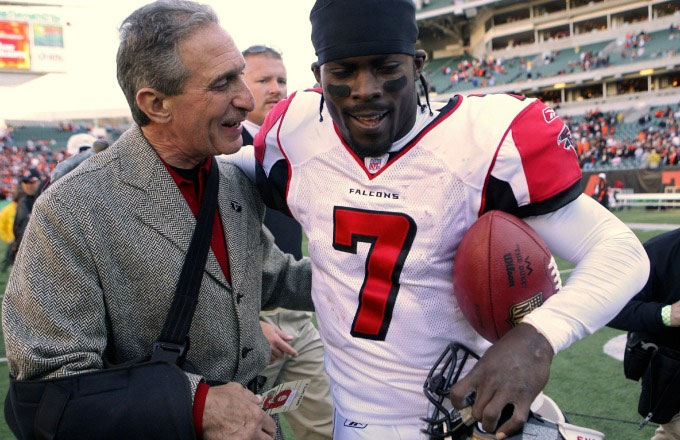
[(653, 350)]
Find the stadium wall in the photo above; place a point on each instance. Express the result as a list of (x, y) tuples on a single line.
[(640, 181)]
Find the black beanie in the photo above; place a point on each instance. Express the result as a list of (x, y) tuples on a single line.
[(351, 28)]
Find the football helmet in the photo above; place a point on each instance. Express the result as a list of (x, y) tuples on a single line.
[(444, 421)]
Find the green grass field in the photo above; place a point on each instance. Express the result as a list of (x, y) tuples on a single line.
[(588, 385)]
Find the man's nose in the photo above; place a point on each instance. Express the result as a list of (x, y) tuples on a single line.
[(244, 98), (366, 85)]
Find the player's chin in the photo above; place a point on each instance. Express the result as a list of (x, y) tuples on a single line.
[(368, 148), (370, 144)]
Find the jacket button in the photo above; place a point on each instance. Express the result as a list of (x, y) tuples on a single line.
[(245, 351), (238, 298)]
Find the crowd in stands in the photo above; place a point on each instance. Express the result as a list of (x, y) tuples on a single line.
[(480, 72), (41, 154), (14, 159), (657, 143), (489, 70)]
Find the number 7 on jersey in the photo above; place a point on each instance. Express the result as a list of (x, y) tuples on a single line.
[(391, 236)]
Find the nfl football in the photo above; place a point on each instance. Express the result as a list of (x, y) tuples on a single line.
[(502, 270)]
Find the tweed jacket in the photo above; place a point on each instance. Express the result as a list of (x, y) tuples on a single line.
[(101, 257)]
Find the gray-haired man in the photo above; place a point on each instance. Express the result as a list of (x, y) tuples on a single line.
[(96, 274)]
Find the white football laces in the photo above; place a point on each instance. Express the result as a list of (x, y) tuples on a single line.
[(555, 273)]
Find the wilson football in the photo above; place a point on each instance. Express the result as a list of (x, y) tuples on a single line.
[(502, 271)]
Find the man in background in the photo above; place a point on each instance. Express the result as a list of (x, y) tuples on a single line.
[(31, 183), (601, 191), (654, 313), (297, 351)]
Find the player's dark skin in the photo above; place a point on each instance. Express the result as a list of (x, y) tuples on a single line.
[(371, 98), (373, 101)]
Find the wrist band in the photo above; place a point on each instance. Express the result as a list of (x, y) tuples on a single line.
[(666, 315)]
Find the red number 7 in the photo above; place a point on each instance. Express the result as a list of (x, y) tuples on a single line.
[(390, 235)]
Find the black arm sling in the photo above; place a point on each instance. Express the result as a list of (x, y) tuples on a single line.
[(146, 398)]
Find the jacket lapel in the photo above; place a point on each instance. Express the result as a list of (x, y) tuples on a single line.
[(157, 201), (235, 221)]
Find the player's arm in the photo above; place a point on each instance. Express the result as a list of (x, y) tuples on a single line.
[(244, 159), (272, 171), (536, 176), (611, 267)]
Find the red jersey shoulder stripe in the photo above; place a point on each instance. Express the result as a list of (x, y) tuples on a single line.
[(270, 121)]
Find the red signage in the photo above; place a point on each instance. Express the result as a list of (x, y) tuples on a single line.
[(14, 45)]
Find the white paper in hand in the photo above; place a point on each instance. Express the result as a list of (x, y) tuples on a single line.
[(284, 397)]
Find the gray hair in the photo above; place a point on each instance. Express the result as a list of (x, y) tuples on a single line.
[(148, 55)]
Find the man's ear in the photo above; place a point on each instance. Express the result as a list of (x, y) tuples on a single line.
[(316, 69), (419, 60), (154, 104)]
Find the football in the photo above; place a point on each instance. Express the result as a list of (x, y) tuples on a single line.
[(502, 270)]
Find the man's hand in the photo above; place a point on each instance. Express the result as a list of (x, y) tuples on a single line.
[(512, 372), (232, 412), (278, 341), (675, 314)]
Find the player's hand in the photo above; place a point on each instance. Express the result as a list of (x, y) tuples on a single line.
[(233, 412), (278, 341), (512, 372)]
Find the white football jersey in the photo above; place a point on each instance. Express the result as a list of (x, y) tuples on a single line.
[(383, 231)]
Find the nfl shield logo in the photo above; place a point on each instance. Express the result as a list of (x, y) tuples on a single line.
[(375, 164)]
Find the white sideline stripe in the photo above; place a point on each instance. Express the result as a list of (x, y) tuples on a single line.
[(653, 226), (3, 360), (615, 347)]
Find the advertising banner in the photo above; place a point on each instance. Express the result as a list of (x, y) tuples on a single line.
[(14, 46), (48, 48)]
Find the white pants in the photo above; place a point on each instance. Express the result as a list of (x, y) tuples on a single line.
[(345, 429)]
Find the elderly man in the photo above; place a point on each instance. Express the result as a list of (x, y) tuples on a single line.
[(96, 274)]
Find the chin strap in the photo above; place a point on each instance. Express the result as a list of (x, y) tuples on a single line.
[(423, 82), (321, 109)]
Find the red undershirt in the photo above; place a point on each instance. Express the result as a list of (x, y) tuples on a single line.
[(191, 184)]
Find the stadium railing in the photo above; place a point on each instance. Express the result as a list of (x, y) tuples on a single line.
[(657, 200)]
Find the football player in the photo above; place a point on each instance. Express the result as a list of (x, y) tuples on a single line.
[(385, 187)]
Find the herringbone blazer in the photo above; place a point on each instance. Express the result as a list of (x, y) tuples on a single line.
[(102, 254)]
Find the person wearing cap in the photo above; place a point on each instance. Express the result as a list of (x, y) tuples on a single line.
[(297, 350), (30, 186), (78, 143), (601, 191), (385, 187)]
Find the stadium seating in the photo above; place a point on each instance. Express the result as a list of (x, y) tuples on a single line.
[(563, 61), (22, 134)]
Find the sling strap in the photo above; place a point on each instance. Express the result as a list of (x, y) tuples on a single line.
[(173, 342)]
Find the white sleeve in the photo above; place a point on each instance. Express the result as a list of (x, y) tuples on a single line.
[(244, 159), (611, 267)]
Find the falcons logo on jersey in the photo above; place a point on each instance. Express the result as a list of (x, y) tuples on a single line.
[(564, 138)]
